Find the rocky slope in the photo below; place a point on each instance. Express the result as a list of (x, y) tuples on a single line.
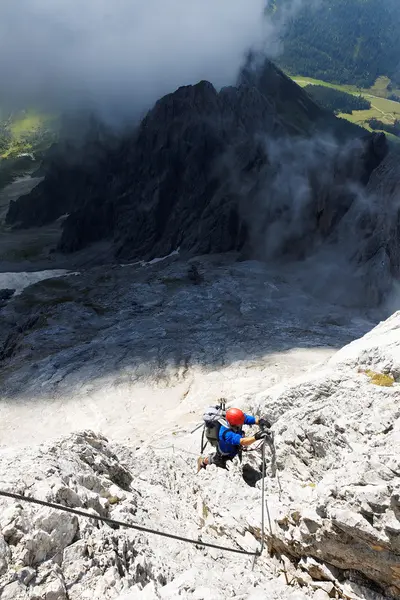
[(332, 500), (136, 339), (50, 555), (338, 435)]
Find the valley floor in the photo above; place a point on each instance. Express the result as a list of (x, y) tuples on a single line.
[(35, 249), (383, 109)]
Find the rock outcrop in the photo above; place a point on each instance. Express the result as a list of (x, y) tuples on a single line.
[(73, 343), (337, 454), (48, 554), (5, 295), (381, 224), (332, 494)]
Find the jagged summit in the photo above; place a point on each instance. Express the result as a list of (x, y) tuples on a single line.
[(192, 174)]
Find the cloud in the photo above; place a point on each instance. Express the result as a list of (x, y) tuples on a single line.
[(312, 213), (304, 177), (122, 55), (275, 24), (121, 52)]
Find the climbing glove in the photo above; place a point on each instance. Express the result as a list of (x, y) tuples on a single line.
[(263, 422), (260, 435)]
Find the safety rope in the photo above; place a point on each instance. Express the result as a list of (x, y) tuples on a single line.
[(81, 513), (263, 497), (173, 448), (184, 451), (264, 504)]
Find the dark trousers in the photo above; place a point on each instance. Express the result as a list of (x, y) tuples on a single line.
[(219, 460)]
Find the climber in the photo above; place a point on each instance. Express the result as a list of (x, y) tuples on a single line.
[(231, 438)]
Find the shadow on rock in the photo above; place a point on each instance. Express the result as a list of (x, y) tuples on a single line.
[(251, 475)]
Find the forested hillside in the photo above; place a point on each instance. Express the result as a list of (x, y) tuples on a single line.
[(22, 135), (25, 131), (342, 41), (393, 128), (335, 100)]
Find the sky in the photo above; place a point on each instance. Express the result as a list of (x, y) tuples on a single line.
[(121, 52)]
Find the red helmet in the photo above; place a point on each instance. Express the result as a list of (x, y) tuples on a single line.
[(235, 417)]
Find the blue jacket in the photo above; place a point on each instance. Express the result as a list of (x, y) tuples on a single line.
[(229, 441)]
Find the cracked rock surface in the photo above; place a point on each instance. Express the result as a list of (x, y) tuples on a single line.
[(138, 341), (338, 448), (333, 472)]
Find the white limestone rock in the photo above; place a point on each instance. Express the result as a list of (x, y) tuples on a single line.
[(332, 492), (337, 448)]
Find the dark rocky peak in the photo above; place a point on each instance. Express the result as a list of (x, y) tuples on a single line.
[(196, 99), (248, 110), (192, 173), (381, 223), (292, 102), (233, 112), (375, 150), (285, 97)]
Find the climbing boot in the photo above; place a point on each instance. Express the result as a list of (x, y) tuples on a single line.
[(200, 464)]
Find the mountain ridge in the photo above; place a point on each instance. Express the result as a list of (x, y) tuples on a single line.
[(191, 171)]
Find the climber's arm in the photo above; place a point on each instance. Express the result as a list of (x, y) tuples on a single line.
[(250, 420), (247, 441)]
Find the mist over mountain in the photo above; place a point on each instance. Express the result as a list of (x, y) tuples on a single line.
[(256, 168), (242, 161), (119, 57)]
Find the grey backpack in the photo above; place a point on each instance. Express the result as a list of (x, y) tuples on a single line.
[(213, 418)]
